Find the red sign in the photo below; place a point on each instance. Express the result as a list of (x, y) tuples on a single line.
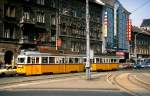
[(129, 29), (120, 54), (58, 42)]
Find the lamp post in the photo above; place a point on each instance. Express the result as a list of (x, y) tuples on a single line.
[(88, 73)]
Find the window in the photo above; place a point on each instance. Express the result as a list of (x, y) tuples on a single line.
[(44, 60), (37, 60), (84, 60), (33, 60), (6, 33), (70, 60), (10, 11), (91, 60), (76, 60), (21, 60), (41, 17), (53, 20), (41, 2), (52, 3), (112, 60), (28, 60), (115, 61), (26, 15), (97, 60), (63, 60), (51, 59)]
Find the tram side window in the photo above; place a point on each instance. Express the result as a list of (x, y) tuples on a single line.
[(57, 61), (115, 61), (100, 61), (44, 60), (63, 60), (103, 60), (91, 60), (97, 60), (51, 59), (76, 60), (37, 60), (33, 60), (84, 60), (66, 60), (21, 60), (70, 60), (28, 60), (112, 60)]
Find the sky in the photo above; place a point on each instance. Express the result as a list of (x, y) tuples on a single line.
[(140, 9)]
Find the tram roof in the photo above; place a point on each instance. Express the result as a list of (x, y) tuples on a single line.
[(37, 53), (34, 53)]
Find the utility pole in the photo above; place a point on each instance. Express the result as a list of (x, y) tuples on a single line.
[(135, 47), (88, 66)]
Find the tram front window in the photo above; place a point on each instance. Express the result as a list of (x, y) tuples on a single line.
[(21, 60)]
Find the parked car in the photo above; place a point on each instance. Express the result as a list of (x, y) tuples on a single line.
[(138, 66), (8, 71), (126, 66)]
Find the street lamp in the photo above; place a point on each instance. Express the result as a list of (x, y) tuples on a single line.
[(88, 69)]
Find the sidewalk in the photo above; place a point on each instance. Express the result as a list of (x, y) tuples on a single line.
[(98, 82), (17, 79)]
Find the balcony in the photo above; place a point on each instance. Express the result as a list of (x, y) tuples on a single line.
[(25, 20), (9, 40)]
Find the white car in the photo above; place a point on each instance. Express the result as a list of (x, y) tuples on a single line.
[(9, 71)]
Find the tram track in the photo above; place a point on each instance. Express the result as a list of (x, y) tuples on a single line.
[(138, 82), (129, 83)]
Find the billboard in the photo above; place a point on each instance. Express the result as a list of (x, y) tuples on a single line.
[(129, 29)]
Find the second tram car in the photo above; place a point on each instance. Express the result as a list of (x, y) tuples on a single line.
[(105, 63)]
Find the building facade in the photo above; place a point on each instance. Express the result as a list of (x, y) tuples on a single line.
[(117, 20), (40, 24), (25, 24), (140, 44), (72, 26), (146, 25), (58, 26)]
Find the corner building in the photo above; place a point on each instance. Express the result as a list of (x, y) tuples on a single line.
[(116, 23)]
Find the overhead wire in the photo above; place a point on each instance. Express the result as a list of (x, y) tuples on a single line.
[(144, 4)]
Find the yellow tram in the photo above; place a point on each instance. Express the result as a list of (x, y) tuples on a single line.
[(105, 63), (35, 63)]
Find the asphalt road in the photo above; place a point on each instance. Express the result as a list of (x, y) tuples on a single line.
[(62, 93), (68, 86)]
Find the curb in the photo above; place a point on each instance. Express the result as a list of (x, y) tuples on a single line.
[(95, 75)]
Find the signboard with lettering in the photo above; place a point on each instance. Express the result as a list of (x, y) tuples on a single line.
[(129, 29)]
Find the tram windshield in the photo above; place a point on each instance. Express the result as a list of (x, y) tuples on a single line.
[(21, 60)]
